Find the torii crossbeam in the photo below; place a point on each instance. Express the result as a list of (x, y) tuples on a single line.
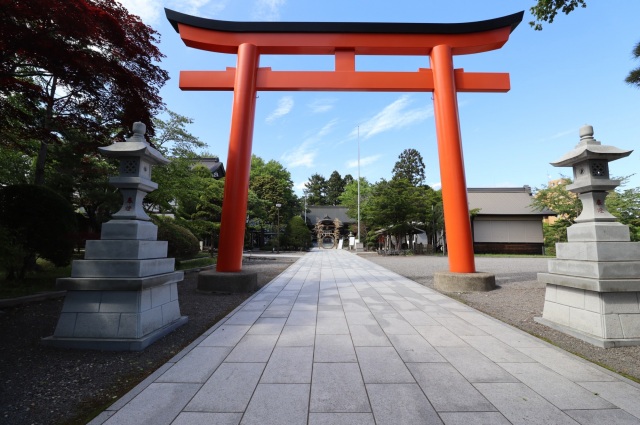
[(250, 40)]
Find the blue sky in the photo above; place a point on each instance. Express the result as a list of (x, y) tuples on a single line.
[(570, 74)]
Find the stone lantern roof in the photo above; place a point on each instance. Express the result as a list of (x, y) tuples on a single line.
[(135, 146), (589, 148)]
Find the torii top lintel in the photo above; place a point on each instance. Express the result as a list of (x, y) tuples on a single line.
[(365, 38), (345, 40)]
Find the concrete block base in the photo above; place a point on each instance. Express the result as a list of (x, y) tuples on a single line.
[(211, 281), (464, 282), (591, 339), (115, 344), (605, 319)]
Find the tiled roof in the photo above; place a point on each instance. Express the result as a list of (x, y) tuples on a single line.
[(320, 211), (503, 201)]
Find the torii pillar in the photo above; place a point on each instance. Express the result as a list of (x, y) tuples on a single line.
[(250, 40)]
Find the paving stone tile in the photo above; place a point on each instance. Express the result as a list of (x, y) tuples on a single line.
[(605, 416), (619, 393), (244, 317), (297, 336), (473, 418), (229, 389), (360, 318), (557, 389), (277, 404), (302, 318), (414, 348), (203, 418), (496, 350), (474, 366), (341, 419), (569, 366), (333, 325), (400, 404), (447, 389), (334, 348), (289, 365), (439, 336), (338, 387), (267, 326), (395, 324), (197, 366), (368, 336), (418, 318), (158, 404), (460, 327), (226, 336), (522, 406), (382, 365), (253, 348), (512, 337)]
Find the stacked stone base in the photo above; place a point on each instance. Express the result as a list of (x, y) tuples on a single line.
[(123, 296), (593, 292)]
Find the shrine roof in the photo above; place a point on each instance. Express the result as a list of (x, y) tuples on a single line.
[(511, 21)]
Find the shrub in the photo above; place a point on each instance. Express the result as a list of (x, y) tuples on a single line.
[(298, 235), (36, 222), (182, 243)]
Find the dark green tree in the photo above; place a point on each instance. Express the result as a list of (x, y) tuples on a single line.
[(547, 10), (316, 189), (397, 206), (84, 65), (35, 222), (297, 233), (410, 166), (335, 187)]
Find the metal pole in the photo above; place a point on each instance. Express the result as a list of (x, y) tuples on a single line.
[(358, 239), (278, 229)]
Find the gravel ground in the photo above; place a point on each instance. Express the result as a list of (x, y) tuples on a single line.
[(517, 300), (44, 385)]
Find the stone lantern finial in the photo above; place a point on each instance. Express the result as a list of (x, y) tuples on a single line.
[(591, 182)]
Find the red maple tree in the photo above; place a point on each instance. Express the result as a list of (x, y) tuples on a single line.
[(75, 65)]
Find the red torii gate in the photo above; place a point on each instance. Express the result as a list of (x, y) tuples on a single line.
[(345, 40)]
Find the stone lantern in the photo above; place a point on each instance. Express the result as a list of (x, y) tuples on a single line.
[(593, 285), (123, 295)]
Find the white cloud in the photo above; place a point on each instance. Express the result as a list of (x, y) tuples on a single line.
[(305, 154), (148, 10), (285, 104), (320, 106), (151, 11), (268, 10), (302, 156), (367, 160), (396, 115), (435, 186)]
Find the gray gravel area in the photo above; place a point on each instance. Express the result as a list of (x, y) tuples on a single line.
[(517, 300)]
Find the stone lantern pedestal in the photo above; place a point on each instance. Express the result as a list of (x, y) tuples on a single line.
[(123, 296), (593, 285)]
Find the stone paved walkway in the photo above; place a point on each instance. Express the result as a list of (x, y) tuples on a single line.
[(336, 339)]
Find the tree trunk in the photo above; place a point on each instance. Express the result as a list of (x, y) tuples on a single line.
[(44, 144)]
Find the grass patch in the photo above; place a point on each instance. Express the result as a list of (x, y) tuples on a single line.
[(44, 279), (195, 263)]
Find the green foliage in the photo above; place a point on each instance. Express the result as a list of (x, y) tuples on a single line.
[(546, 10), (297, 234), (335, 187), (625, 206), (410, 166), (316, 190), (182, 243), (36, 222)]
